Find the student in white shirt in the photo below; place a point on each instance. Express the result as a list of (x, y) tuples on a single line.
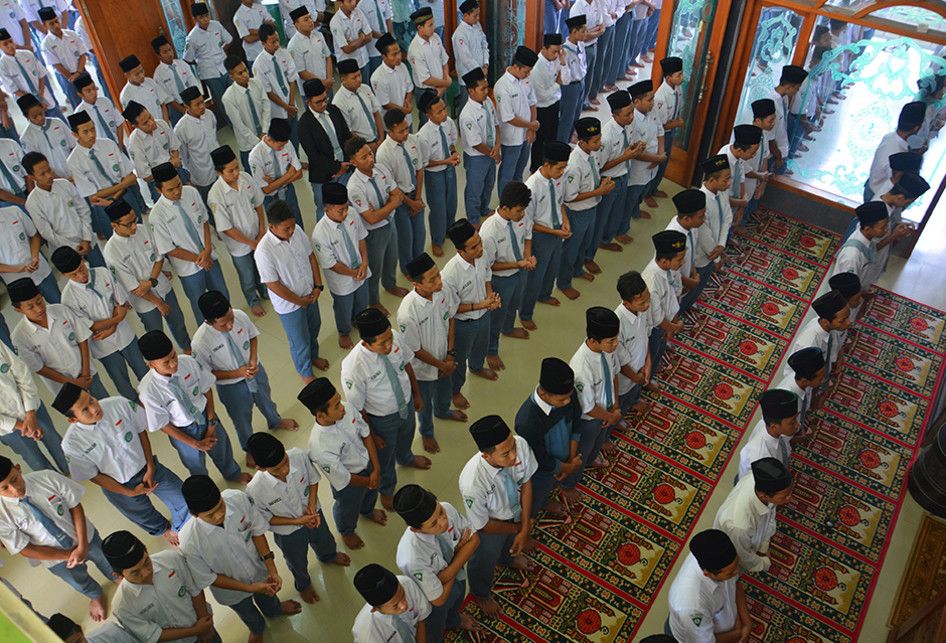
[(247, 106), (309, 50), (690, 205), (180, 226), (61, 216), (593, 13), (662, 279), (428, 57), (43, 520), (151, 142), (745, 146), (247, 20), (277, 72), (789, 83), (352, 36), (497, 491), (391, 81), (172, 74), (15, 22), (64, 51), (110, 631), (274, 164), (289, 269), (20, 253), (101, 172), (548, 76), (237, 203), (479, 132), (107, 120), (134, 260), (615, 156), (177, 399), (206, 46), (316, 9), (379, 14), (437, 140), (401, 155), (576, 64), (470, 46), (669, 108), (908, 124), (343, 449), (12, 174), (226, 549), (771, 437), (641, 182), (434, 551), (859, 254), (359, 105), (98, 300), (47, 135), (285, 488), (339, 243), (227, 345), (21, 73), (516, 105), (396, 607), (633, 354), (107, 442), (808, 372), (707, 602), (714, 235), (197, 135), (141, 89), (158, 597), (831, 314)]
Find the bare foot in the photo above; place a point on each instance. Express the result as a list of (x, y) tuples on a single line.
[(517, 333), (378, 516), (641, 407), (460, 401), (626, 239), (494, 362), (97, 609), (528, 324), (592, 267), (171, 537), (342, 560), (571, 293), (353, 541), (430, 444), (550, 301), (455, 416), (257, 311), (437, 250), (554, 506), (344, 341), (587, 276), (660, 194), (420, 462), (397, 291), (320, 363), (288, 424), (489, 606), (288, 608), (611, 246), (652, 387), (254, 638), (489, 373), (571, 495), (600, 463), (387, 502), (381, 309), (522, 563), (309, 595), (468, 623), (609, 449), (644, 214)]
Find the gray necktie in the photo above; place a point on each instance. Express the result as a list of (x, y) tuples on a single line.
[(783, 451), (513, 243), (608, 381), (279, 76), (65, 540), (405, 631), (490, 128), (108, 130), (189, 225), (719, 212), (512, 492), (92, 284), (395, 383), (556, 222), (98, 166), (737, 179), (9, 178), (443, 143), (355, 257), (26, 77), (237, 355), (593, 164), (185, 399), (410, 164), (256, 124), (447, 551), (329, 128), (377, 191), (368, 115), (177, 79)]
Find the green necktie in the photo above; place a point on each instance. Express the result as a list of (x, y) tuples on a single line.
[(92, 284), (237, 355), (490, 128), (329, 128), (512, 240), (26, 77), (184, 399), (253, 114), (177, 79), (443, 143), (395, 383), (279, 76), (608, 382), (191, 230), (108, 130), (410, 164), (594, 170), (377, 192), (9, 178), (99, 166), (512, 492), (350, 247), (65, 540), (556, 223), (627, 144), (368, 115)]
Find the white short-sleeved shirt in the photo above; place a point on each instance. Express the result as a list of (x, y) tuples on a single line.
[(86, 174), (11, 155), (810, 334), (590, 378), (267, 161), (582, 174), (54, 141), (165, 602), (164, 75), (477, 125), (390, 85), (419, 555), (668, 103), (664, 305), (514, 98), (250, 17), (615, 140), (360, 123), (228, 549), (54, 495), (150, 150), (315, 7), (346, 29), (891, 143), (162, 402), (366, 382), (468, 282), (739, 170), (328, 241), (15, 82), (632, 344), (425, 325), (110, 446), (205, 47), (762, 445), (391, 155), (371, 626), (287, 498), (855, 256), (264, 69), (64, 51), (10, 16), (169, 230), (544, 80), (470, 48), (575, 60), (149, 94), (692, 249), (749, 523), (715, 232), (497, 242), (235, 208), (212, 351), (594, 15), (18, 392), (310, 54), (131, 260), (288, 263), (780, 131), (539, 210), (56, 346), (236, 102), (198, 138), (363, 197), (60, 215), (338, 450), (427, 58), (95, 301), (106, 118), (377, 12), (485, 497), (699, 606), (431, 143), (648, 128)]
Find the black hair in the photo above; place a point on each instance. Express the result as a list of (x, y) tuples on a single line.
[(31, 160), (393, 117), (515, 194), (630, 285), (278, 212), (265, 31), (352, 146)]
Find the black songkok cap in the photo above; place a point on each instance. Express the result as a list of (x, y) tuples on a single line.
[(376, 584), (213, 305), (846, 283), (313, 87), (905, 162), (601, 323), (371, 322), (489, 431), (668, 242), (912, 186), (747, 134), (460, 232), (640, 88), (576, 22), (473, 76), (265, 449), (829, 304), (778, 404), (524, 56), (117, 209), (715, 164), (689, 201), (122, 550), (348, 66), (556, 152), (468, 6), (22, 289), (190, 93), (26, 101), (6, 465), (200, 493), (550, 39), (414, 504), (316, 393), (556, 376), (422, 15), (618, 99), (129, 62), (587, 127), (420, 264), (199, 9), (384, 42), (806, 362), (78, 118), (66, 397), (279, 129), (221, 156), (66, 259), (82, 81), (713, 550), (298, 12), (132, 111), (793, 74), (771, 476), (671, 65), (871, 212), (154, 345), (163, 172), (47, 13), (763, 108)]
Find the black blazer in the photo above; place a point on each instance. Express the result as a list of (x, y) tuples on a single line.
[(318, 146)]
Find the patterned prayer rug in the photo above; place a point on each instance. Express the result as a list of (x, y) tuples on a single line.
[(893, 360), (774, 620), (902, 317), (877, 405), (793, 236), (778, 270), (925, 576), (749, 302)]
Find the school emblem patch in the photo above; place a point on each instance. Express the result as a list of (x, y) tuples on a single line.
[(418, 575), (59, 510), (326, 468), (468, 501), (127, 436), (22, 236), (115, 167), (72, 337), (4, 368), (181, 591), (348, 384), (246, 345), (195, 391), (697, 619)]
